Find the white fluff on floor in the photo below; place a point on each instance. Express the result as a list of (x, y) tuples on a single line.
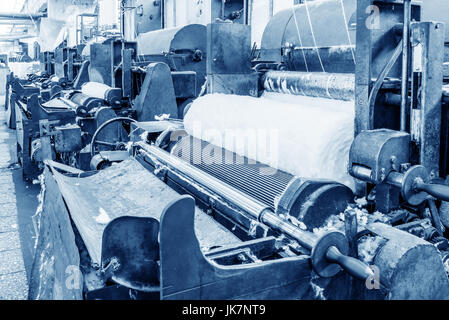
[(308, 137)]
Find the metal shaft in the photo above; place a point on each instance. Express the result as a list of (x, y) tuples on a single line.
[(405, 59)]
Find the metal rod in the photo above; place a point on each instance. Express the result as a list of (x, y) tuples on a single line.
[(395, 179), (22, 16), (405, 59)]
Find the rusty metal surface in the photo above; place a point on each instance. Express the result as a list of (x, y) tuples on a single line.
[(410, 267)]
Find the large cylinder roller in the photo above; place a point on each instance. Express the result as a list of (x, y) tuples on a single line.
[(314, 37), (328, 253), (84, 102), (181, 48), (337, 86), (308, 200), (189, 37), (99, 90)]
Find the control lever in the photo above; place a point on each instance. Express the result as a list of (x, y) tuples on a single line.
[(439, 191)]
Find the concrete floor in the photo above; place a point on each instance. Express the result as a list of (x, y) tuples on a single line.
[(18, 204)]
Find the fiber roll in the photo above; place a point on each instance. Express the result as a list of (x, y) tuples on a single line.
[(95, 90), (307, 137), (103, 91)]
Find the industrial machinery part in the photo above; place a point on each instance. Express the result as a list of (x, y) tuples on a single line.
[(126, 64), (120, 237), (79, 101), (113, 96), (73, 118), (308, 200), (329, 85), (382, 156), (17, 91), (229, 60), (47, 63), (326, 251), (28, 129), (117, 145), (125, 246), (300, 38), (264, 249), (181, 48), (157, 95), (67, 62)]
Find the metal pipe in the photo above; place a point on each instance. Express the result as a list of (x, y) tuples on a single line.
[(16, 22), (395, 179), (324, 85), (409, 182), (22, 16), (13, 37), (405, 65), (360, 172)]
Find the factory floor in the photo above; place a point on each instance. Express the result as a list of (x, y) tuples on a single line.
[(18, 202)]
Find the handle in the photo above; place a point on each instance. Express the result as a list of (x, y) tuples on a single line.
[(439, 191), (353, 266)]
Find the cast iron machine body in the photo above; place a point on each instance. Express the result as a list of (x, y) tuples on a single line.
[(61, 129), (126, 65)]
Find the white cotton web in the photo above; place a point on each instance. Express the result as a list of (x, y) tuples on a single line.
[(305, 136)]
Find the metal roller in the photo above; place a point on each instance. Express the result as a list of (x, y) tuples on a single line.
[(86, 102), (381, 156), (189, 37), (310, 201), (299, 36), (99, 90), (324, 85), (328, 253), (181, 48)]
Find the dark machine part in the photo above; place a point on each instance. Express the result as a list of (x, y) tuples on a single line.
[(47, 63), (146, 15), (398, 106), (100, 67), (181, 48), (123, 56), (117, 145), (112, 96), (309, 201), (119, 254), (382, 157), (67, 63), (229, 68), (157, 94), (17, 92), (328, 253), (126, 65), (71, 120), (29, 129), (83, 102)]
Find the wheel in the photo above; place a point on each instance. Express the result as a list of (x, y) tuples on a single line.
[(119, 145)]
